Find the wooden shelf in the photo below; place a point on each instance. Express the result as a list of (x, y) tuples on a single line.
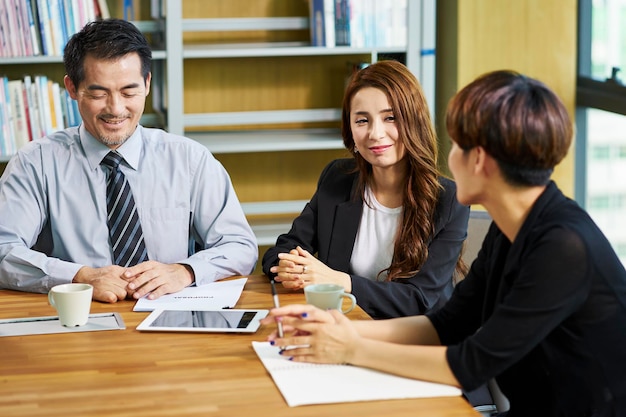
[(267, 233), (268, 140), (213, 130), (276, 49), (264, 117), (419, 53), (234, 24), (57, 59), (282, 213)]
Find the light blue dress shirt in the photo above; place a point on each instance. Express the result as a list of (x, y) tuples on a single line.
[(53, 209)]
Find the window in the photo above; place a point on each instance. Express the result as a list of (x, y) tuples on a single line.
[(601, 117)]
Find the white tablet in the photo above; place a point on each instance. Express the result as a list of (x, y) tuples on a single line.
[(207, 321)]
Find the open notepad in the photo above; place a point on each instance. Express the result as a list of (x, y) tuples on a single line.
[(306, 383)]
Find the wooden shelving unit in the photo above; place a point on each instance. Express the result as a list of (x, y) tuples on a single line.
[(196, 91)]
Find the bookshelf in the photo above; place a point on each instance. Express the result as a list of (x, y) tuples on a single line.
[(19, 63), (419, 57), (253, 130), (242, 78)]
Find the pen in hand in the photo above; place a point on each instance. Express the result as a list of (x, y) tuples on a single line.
[(276, 304)]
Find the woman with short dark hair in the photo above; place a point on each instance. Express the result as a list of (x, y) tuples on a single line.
[(543, 308)]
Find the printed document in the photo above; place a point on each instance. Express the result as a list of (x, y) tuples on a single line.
[(216, 295)]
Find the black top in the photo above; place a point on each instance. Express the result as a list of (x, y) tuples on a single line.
[(328, 226), (545, 315)]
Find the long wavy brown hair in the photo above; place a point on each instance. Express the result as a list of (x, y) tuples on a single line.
[(417, 134)]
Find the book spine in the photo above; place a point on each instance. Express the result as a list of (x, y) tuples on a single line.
[(69, 110), (45, 28), (15, 41), (9, 129), (27, 114), (51, 106), (399, 23), (129, 12), (90, 10), (20, 129), (4, 118), (383, 23), (33, 25), (342, 23), (65, 110), (317, 22), (369, 23), (33, 108), (44, 104), (37, 112), (55, 28), (104, 9), (357, 36), (96, 8), (80, 14), (74, 106), (70, 26), (62, 24), (58, 107), (329, 23), (23, 31), (5, 44)]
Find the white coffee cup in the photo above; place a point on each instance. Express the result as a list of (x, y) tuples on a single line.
[(328, 296), (72, 302)]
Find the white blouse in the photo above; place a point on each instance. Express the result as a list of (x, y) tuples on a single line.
[(373, 246)]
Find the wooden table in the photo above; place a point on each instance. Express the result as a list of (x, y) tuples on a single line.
[(130, 373)]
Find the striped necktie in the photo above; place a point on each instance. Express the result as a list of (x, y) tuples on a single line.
[(124, 228)]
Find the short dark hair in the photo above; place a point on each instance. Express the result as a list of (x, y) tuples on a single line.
[(518, 120), (106, 39)]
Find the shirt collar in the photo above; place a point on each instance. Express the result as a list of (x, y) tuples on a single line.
[(96, 150)]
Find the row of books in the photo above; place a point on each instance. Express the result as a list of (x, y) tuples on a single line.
[(43, 27), (358, 23), (32, 108)]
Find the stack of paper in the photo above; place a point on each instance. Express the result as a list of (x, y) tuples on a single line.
[(306, 383)]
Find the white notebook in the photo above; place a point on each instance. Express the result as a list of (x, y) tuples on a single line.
[(307, 383)]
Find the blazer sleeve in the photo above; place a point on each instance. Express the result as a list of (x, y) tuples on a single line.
[(432, 286), (304, 229)]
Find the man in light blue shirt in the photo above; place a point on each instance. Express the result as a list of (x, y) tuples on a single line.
[(53, 209)]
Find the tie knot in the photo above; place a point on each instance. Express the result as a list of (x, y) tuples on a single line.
[(112, 160)]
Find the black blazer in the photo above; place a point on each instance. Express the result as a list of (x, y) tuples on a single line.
[(328, 226), (545, 315)]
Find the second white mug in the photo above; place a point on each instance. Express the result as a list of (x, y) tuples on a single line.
[(328, 296)]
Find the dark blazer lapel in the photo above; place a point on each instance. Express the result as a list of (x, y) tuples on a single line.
[(345, 227)]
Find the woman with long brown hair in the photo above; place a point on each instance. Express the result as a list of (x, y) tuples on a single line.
[(384, 224)]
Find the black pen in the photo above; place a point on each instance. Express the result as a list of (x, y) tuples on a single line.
[(276, 304)]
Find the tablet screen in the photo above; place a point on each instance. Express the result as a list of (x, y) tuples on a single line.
[(227, 319), (234, 320)]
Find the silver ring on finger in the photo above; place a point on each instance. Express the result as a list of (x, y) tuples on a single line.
[(304, 268)]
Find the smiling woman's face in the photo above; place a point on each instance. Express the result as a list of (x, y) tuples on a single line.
[(374, 128)]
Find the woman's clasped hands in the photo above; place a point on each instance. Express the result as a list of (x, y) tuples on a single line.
[(313, 335), (298, 268)]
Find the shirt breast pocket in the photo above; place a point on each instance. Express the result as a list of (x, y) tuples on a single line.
[(166, 232)]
